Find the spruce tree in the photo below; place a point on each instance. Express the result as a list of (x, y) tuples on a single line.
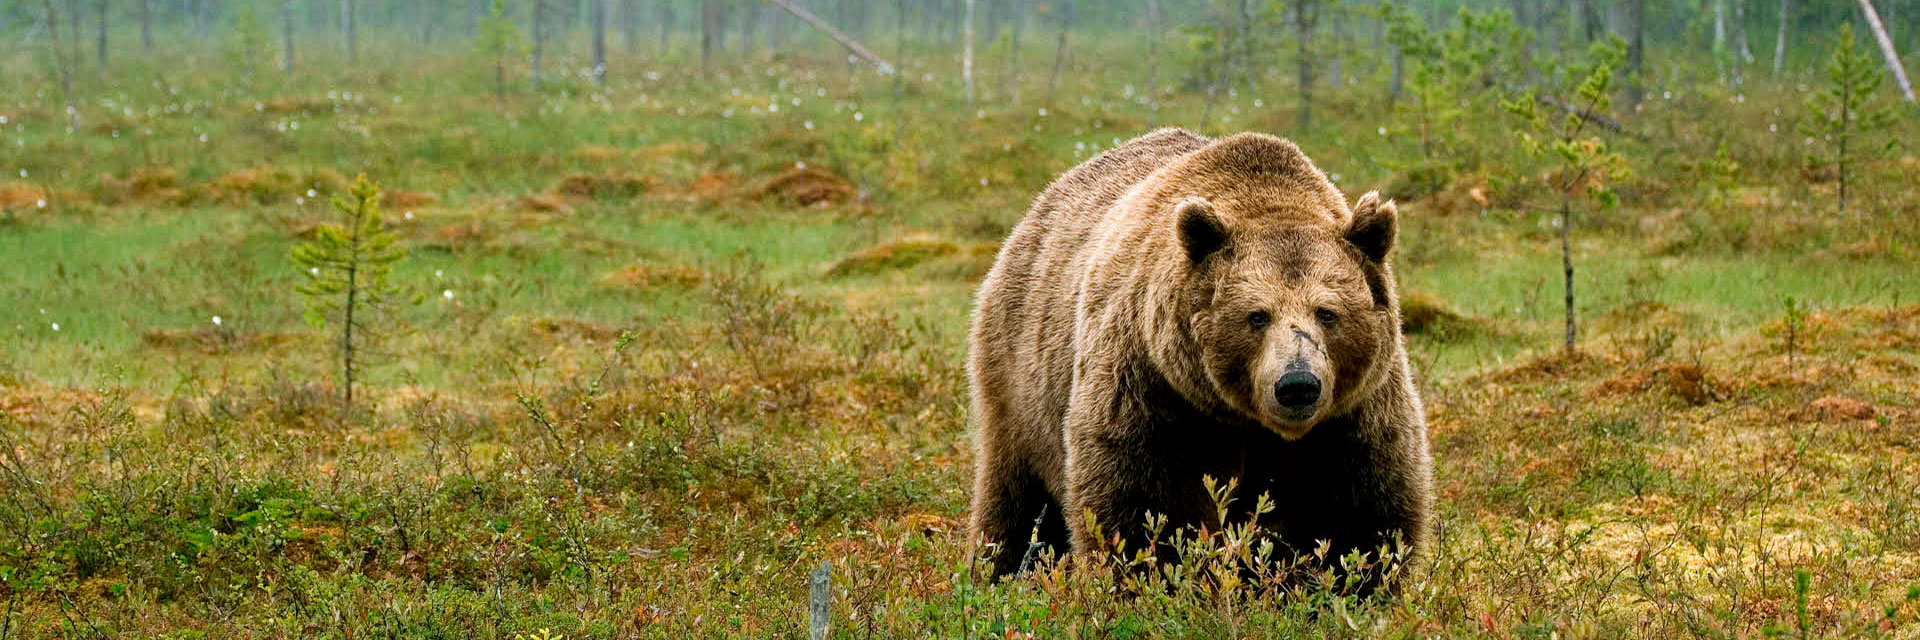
[(1846, 110), (347, 266), (1582, 162)]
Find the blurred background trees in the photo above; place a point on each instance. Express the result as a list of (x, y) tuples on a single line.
[(1242, 42)]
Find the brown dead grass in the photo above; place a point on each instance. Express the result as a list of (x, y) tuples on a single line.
[(212, 340), (271, 184), (460, 235), (893, 255), (1423, 312), (147, 185), (281, 105), (807, 187), (712, 187), (598, 153), (572, 328), (402, 199), (648, 276), (1690, 383), (612, 185), (1835, 409), (544, 203), (20, 195)]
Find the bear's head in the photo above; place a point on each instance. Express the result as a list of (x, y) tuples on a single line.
[(1288, 291)]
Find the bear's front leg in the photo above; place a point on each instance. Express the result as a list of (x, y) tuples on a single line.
[(1114, 489), (1133, 448)]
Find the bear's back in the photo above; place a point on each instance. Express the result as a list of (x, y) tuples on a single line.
[(1021, 342)]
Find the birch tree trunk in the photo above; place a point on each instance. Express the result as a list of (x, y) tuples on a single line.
[(1740, 31), (539, 40), (966, 56), (1740, 54), (348, 22), (599, 18), (61, 63), (666, 20), (146, 26), (1720, 40), (750, 28), (630, 25), (1886, 49), (1636, 52), (76, 9), (1780, 40), (100, 33), (709, 22), (286, 36)]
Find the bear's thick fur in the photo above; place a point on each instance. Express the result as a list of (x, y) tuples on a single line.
[(1180, 307)]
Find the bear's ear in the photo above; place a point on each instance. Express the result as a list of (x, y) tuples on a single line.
[(1375, 225), (1202, 232)]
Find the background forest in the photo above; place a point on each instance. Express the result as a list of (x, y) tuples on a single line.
[(644, 318)]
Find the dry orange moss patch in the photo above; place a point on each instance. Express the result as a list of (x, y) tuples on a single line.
[(807, 187), (544, 203), (646, 276), (212, 340), (402, 199), (897, 254), (612, 185), (271, 184), (151, 184), (20, 195)]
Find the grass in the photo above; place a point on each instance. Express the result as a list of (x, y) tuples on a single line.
[(678, 371)]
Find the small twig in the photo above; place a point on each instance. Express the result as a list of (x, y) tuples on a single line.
[(1033, 542)]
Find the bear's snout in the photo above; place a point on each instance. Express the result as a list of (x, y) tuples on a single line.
[(1298, 392)]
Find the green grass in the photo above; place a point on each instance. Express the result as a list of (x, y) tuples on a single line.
[(520, 465)]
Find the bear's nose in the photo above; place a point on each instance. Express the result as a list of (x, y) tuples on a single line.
[(1297, 390)]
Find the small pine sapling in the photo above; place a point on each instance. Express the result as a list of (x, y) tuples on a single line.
[(1447, 70), (1796, 317), (1582, 163), (249, 44), (1846, 110), (500, 40), (347, 267)]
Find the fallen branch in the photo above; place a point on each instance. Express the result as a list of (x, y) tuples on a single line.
[(1585, 114), (851, 45)]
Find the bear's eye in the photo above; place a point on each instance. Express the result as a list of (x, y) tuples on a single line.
[(1259, 320), (1327, 317)]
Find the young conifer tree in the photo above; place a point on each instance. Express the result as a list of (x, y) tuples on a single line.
[(500, 41), (1582, 163), (347, 267), (1846, 110)]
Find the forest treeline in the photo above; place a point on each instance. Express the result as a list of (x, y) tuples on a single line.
[(1745, 37)]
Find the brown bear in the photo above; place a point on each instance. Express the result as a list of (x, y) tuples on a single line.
[(1181, 307)]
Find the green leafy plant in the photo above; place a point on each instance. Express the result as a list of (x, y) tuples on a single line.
[(347, 266), (1846, 110)]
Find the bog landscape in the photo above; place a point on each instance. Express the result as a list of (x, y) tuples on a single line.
[(606, 319)]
